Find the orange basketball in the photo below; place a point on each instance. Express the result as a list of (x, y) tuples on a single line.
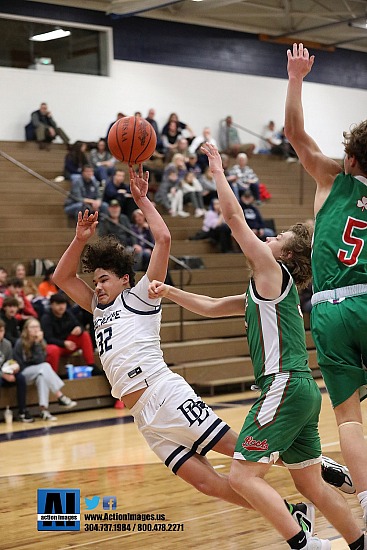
[(132, 140)]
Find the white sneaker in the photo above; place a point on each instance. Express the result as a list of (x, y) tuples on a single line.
[(183, 214), (46, 415), (66, 402), (337, 475), (199, 213), (314, 543)]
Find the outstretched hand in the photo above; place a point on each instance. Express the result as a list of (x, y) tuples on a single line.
[(138, 183), (299, 61), (215, 161), (86, 225)]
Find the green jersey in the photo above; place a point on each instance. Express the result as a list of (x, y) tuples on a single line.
[(275, 332), (339, 256)]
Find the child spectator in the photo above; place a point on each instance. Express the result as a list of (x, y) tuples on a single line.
[(14, 288), (8, 314), (30, 354), (64, 334), (10, 374), (192, 190)]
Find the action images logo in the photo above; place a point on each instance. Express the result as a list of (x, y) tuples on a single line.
[(252, 444)]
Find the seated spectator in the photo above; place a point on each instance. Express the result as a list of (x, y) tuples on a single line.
[(170, 193), (253, 217), (192, 165), (215, 228), (30, 287), (64, 334), (14, 289), (181, 147), (10, 375), (272, 143), (197, 142), (209, 186), (118, 116), (102, 161), (43, 128), (47, 288), (118, 189), (170, 139), (3, 278), (84, 194), (30, 354), (229, 140), (8, 314), (143, 233), (244, 178), (158, 153), (75, 159), (182, 127), (117, 224), (192, 190)]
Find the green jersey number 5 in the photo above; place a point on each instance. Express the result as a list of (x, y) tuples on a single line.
[(350, 257)]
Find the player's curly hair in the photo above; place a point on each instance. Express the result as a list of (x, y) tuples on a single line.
[(355, 144), (299, 264), (109, 254)]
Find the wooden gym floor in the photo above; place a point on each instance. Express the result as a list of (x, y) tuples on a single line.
[(101, 453)]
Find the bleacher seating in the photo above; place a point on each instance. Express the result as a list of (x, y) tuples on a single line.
[(209, 353)]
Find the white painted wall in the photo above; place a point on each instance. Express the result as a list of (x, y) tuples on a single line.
[(85, 105)]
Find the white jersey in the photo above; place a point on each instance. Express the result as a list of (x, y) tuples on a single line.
[(128, 338)]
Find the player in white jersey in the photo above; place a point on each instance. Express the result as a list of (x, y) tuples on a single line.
[(178, 426)]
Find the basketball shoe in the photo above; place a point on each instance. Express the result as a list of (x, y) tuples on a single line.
[(337, 475), (314, 543), (304, 514)]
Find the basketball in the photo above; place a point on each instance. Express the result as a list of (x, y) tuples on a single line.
[(132, 140)]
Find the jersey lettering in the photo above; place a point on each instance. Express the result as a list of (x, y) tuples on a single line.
[(103, 340), (350, 258)]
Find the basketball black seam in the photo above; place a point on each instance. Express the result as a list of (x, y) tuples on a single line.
[(118, 141), (132, 142)]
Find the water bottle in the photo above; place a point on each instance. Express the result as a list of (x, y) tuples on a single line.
[(70, 370), (8, 415)]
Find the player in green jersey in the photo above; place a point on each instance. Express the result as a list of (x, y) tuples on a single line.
[(283, 422), (339, 267)]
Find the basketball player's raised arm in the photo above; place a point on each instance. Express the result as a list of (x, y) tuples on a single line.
[(158, 263), (266, 270), (197, 303), (320, 167), (65, 275)]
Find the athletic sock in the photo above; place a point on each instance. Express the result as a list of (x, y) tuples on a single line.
[(362, 497), (358, 544), (298, 542)]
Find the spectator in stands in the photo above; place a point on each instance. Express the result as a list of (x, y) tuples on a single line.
[(3, 278), (75, 159), (197, 142), (275, 143), (10, 375), (229, 140), (253, 217), (30, 354), (215, 228), (245, 178), (182, 127), (30, 287), (209, 186), (170, 139), (117, 224), (118, 189), (8, 314), (47, 288), (118, 116), (170, 193), (25, 309), (142, 233), (192, 190), (192, 165), (64, 334), (182, 148), (84, 194), (102, 161), (45, 128), (151, 119)]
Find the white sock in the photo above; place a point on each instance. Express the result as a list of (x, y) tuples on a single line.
[(362, 497)]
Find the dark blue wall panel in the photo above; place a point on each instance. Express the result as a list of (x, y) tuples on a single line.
[(151, 41)]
